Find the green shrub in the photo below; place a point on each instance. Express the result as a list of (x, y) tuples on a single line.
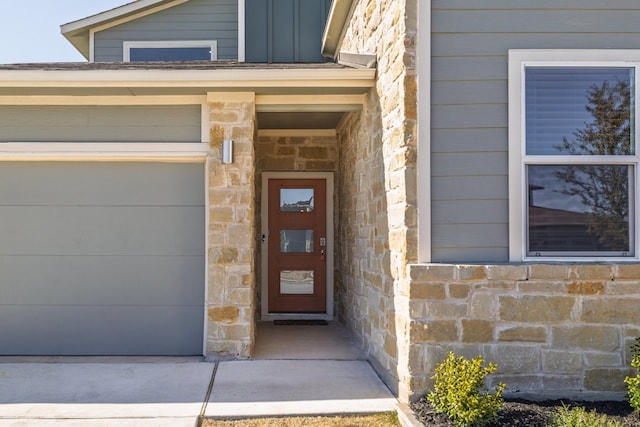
[(633, 383), (579, 417), (457, 384)]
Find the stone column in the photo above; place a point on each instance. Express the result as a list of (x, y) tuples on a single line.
[(231, 293)]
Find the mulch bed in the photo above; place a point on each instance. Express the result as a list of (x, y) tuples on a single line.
[(523, 413)]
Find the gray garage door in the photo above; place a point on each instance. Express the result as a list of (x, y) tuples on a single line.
[(101, 258)]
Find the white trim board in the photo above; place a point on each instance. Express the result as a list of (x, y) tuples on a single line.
[(242, 28), (159, 44), (424, 131), (264, 265), (80, 151)]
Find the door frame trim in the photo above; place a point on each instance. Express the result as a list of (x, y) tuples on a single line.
[(264, 215)]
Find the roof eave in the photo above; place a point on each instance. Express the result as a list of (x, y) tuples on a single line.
[(364, 78), (77, 32)]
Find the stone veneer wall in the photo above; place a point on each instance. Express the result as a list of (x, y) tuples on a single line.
[(556, 329), (231, 301), (312, 153), (377, 192)]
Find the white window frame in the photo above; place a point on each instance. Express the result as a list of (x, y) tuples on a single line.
[(519, 60), (128, 45)]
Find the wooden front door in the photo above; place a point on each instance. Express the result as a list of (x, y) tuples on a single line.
[(297, 246)]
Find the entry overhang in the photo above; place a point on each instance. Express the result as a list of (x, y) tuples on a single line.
[(332, 80)]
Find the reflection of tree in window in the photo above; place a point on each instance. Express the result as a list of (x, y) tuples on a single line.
[(603, 189)]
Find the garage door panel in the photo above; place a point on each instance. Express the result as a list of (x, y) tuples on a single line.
[(101, 184), (100, 230), (102, 258), (112, 330), (89, 280)]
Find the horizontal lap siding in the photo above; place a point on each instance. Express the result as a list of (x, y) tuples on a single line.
[(194, 20), (469, 136), (100, 123)]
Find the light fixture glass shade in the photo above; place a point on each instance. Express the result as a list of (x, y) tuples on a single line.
[(227, 151)]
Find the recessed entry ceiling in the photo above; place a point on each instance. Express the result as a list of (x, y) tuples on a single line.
[(312, 120)]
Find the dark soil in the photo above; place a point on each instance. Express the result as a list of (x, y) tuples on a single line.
[(522, 413)]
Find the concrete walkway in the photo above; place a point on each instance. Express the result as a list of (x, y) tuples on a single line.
[(297, 370)]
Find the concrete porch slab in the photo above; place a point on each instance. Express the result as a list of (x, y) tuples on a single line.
[(297, 387), (332, 342), (56, 394)]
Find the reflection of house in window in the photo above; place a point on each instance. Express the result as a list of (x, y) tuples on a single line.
[(300, 206), (560, 230)]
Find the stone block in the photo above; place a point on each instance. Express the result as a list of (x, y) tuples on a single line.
[(432, 272), (445, 309), (611, 310), (548, 271), (313, 153), (285, 151), (500, 285), (507, 272), (237, 332), (562, 384), (221, 213), (605, 379), (628, 271), (223, 255), (627, 288), (600, 338), (603, 360), (459, 290), (591, 272), (523, 334), (471, 272), (546, 287), (516, 383), (586, 288), (476, 330), (318, 165), (515, 359), (435, 331), (417, 359), (483, 305), (535, 309), (224, 116), (240, 296), (561, 362), (391, 346), (427, 291), (224, 314)]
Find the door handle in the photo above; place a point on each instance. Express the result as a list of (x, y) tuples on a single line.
[(321, 254)]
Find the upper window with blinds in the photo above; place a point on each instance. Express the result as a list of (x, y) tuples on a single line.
[(573, 161), (578, 111)]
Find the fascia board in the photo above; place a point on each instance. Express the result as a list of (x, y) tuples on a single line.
[(109, 15), (334, 29), (188, 78)]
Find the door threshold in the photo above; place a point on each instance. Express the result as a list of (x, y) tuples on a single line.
[(296, 316)]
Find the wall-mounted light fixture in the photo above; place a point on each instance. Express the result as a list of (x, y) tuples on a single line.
[(227, 151)]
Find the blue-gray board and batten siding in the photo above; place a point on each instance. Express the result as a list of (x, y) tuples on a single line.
[(275, 30), (101, 258), (193, 20), (285, 30), (469, 140)]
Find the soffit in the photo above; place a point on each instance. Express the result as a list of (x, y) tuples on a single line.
[(288, 96)]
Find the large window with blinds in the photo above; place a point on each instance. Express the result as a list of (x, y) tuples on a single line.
[(576, 166)]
